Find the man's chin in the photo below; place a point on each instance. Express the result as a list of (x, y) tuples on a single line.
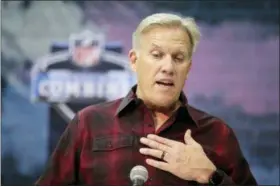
[(165, 102)]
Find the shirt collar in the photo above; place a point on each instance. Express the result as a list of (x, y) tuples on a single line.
[(131, 100)]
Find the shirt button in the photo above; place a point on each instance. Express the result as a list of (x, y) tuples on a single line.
[(150, 125), (110, 144)]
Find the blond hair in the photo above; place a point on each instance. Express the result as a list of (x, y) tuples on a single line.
[(167, 20)]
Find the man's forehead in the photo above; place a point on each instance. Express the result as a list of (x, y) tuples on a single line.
[(164, 37), (175, 47), (157, 31), (160, 45)]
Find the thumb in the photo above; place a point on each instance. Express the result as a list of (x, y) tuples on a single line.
[(188, 138)]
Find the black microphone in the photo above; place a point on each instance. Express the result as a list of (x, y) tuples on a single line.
[(138, 175)]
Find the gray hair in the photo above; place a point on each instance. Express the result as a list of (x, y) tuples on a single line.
[(166, 19)]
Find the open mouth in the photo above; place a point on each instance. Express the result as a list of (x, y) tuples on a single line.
[(165, 83)]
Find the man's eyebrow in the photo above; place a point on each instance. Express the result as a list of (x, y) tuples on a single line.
[(182, 51), (156, 46), (177, 51)]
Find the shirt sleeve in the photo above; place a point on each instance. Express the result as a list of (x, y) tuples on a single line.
[(64, 161), (238, 172)]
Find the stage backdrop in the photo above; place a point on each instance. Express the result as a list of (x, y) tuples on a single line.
[(235, 74)]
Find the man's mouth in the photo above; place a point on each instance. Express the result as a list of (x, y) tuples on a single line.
[(163, 82)]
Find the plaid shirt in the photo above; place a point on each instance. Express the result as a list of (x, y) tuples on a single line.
[(101, 145)]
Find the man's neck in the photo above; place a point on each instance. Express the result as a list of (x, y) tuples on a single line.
[(161, 115)]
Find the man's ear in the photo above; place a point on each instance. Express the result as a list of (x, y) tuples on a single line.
[(132, 58)]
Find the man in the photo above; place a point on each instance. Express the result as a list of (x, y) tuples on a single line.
[(153, 125)]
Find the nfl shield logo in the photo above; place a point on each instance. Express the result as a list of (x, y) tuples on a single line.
[(86, 48)]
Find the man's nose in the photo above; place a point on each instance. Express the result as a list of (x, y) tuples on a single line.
[(168, 65)]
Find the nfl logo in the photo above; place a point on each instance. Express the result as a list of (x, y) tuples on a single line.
[(86, 48)]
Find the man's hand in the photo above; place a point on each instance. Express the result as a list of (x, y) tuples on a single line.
[(187, 161)]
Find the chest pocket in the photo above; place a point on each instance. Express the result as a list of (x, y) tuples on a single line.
[(112, 156), (112, 142)]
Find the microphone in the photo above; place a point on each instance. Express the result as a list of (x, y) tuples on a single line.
[(138, 175)]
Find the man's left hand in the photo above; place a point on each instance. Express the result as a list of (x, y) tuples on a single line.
[(186, 160)]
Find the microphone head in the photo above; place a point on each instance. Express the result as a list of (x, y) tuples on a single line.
[(139, 172)]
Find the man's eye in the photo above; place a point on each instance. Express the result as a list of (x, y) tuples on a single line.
[(157, 55), (179, 58)]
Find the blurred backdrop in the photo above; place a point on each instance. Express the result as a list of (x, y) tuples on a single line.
[(235, 73)]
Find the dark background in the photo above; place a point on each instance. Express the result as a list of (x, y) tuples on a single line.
[(235, 72)]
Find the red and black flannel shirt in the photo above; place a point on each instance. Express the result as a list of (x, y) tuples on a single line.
[(101, 145)]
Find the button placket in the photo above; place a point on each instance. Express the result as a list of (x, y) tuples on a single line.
[(148, 129), (148, 121)]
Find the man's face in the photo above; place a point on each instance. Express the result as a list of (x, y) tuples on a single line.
[(161, 63)]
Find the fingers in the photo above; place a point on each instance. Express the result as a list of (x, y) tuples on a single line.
[(158, 164), (189, 139), (155, 153), (162, 140), (187, 136), (155, 145)]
